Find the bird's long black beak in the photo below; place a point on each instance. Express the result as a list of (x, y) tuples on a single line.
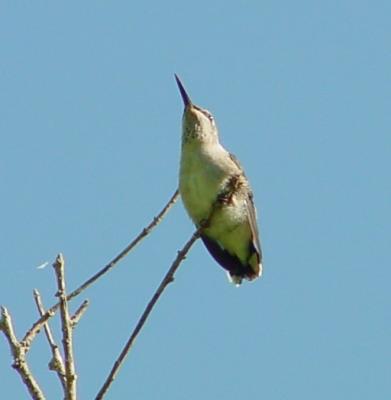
[(185, 96)]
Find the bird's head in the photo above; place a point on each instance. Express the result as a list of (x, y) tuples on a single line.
[(198, 124)]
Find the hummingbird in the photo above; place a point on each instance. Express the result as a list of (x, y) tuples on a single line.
[(208, 176)]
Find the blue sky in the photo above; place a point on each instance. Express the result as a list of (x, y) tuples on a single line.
[(90, 141)]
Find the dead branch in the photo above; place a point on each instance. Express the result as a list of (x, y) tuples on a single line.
[(67, 332), (18, 351)]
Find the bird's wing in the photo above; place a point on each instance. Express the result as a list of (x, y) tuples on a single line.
[(251, 212)]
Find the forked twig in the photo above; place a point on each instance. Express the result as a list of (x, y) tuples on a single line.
[(19, 349)]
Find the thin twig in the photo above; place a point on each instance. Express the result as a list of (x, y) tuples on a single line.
[(67, 332), (56, 363), (128, 248), (79, 313), (169, 277), (18, 351), (35, 328)]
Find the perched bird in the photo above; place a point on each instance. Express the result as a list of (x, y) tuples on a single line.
[(209, 175)]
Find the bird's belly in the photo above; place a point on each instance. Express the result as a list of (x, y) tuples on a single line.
[(200, 182), (198, 194)]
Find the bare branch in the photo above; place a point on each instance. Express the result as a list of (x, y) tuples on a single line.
[(169, 277), (18, 351), (70, 393), (34, 330), (79, 313), (56, 363), (50, 312), (156, 220)]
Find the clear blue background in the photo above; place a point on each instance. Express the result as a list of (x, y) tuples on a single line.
[(90, 141)]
